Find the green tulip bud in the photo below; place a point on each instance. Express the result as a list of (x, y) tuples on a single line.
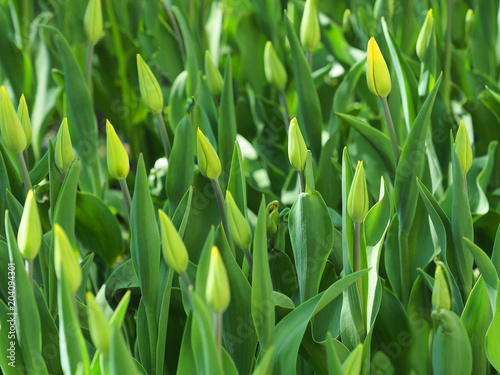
[(118, 162), (309, 27), (272, 218), (217, 291), (208, 161), (297, 149), (377, 73), (274, 69), (357, 202), (150, 89), (214, 78), (441, 297), (174, 250), (24, 117), (238, 225), (64, 154), (463, 147), (346, 21), (64, 258), (100, 329), (29, 236), (92, 21), (469, 19), (12, 129), (425, 35)]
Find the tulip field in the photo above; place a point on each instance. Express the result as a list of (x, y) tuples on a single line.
[(251, 187)]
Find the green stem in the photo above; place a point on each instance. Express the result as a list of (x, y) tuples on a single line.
[(302, 181), (88, 67), (153, 337), (126, 195), (390, 129), (218, 333), (175, 27), (309, 56), (164, 135), (30, 272), (249, 258), (286, 113), (223, 212), (356, 261), (187, 284), (24, 173), (447, 58)]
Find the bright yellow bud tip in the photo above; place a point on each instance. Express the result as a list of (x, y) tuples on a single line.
[(463, 147), (150, 89), (357, 202), (64, 154), (297, 149), (12, 129), (208, 160), (29, 236), (64, 258), (441, 298), (217, 293), (118, 163), (214, 78), (174, 250), (238, 225), (100, 330), (274, 69), (425, 35), (24, 117), (309, 27), (92, 21), (377, 73)]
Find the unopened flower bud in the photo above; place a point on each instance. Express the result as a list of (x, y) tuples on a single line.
[(64, 258), (64, 154), (214, 78), (174, 250), (297, 149), (426, 32), (377, 73), (93, 21), (272, 218), (24, 117), (118, 162), (12, 129), (357, 202), (238, 225), (441, 297), (274, 69), (217, 290), (463, 147), (208, 160), (150, 89), (100, 329), (309, 27), (29, 236)]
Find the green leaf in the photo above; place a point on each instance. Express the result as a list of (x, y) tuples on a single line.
[(492, 341), (264, 366), (352, 365), (177, 100), (237, 184), (121, 361), (478, 179), (334, 365), (40, 170)]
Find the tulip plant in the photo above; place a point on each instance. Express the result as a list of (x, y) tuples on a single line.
[(249, 187)]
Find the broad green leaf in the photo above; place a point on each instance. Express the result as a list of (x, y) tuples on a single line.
[(163, 318), (8, 344), (121, 361), (478, 179), (264, 366), (492, 341), (177, 100), (352, 365), (187, 363), (334, 364), (40, 170)]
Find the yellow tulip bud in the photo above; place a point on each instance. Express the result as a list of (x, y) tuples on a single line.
[(100, 329), (272, 218), (24, 117), (309, 27), (441, 297), (174, 250), (64, 154), (92, 21), (238, 225), (150, 89), (208, 160), (274, 69), (29, 236), (217, 291), (64, 258), (297, 149), (425, 34), (214, 78), (357, 202), (118, 162), (12, 129), (377, 73), (463, 147)]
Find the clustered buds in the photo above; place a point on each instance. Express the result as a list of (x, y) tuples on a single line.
[(214, 78), (150, 89), (441, 297), (309, 27), (117, 158), (425, 35), (274, 69), (64, 259), (297, 149), (217, 290), (12, 129), (64, 154), (29, 236), (463, 147), (377, 73), (174, 250), (357, 202), (93, 21), (208, 160), (238, 225)]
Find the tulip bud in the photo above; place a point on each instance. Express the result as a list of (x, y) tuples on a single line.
[(150, 89), (24, 117), (214, 78), (208, 161), (100, 330), (425, 34), (217, 291), (463, 147), (12, 129), (118, 162), (297, 149), (357, 202), (272, 218), (274, 69), (309, 27), (469, 19), (346, 22), (174, 250), (238, 225), (29, 236), (441, 298), (93, 21), (64, 257), (377, 73), (64, 154)]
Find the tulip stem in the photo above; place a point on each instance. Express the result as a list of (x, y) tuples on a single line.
[(153, 336), (126, 195), (249, 259), (187, 284), (24, 172), (390, 129), (88, 66), (286, 113), (447, 57), (218, 333), (175, 27), (222, 211), (356, 260), (309, 56), (164, 135), (30, 272), (302, 181)]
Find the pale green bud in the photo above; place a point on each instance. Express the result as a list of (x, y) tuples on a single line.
[(463, 147), (272, 218), (297, 149), (238, 225), (12, 129), (309, 27), (346, 21), (217, 290), (92, 21), (64, 154), (24, 117), (29, 236), (174, 250), (425, 34), (469, 19), (214, 78), (377, 73), (274, 69), (208, 160), (150, 89), (118, 162), (441, 297), (357, 202), (64, 258), (100, 329)]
